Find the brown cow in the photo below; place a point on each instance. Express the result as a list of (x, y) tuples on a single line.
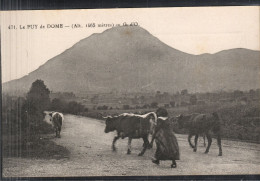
[(201, 124), (133, 126)]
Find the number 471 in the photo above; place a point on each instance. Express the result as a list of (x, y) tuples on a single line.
[(11, 27)]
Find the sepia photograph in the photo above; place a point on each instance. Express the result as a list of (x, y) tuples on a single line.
[(130, 92)]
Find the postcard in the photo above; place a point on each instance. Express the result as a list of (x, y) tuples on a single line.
[(131, 92)]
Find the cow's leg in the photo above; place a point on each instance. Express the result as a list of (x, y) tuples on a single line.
[(114, 142), (146, 143), (174, 164), (59, 129), (129, 146), (196, 141), (189, 140), (209, 142), (204, 137), (219, 145), (56, 131)]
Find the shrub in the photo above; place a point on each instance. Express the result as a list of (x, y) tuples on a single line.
[(125, 107), (74, 107), (154, 105), (57, 105), (146, 106), (193, 99), (172, 103), (104, 107)]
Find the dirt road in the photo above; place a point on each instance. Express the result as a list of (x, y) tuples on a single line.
[(91, 155)]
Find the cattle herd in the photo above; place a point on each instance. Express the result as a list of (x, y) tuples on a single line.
[(160, 126)]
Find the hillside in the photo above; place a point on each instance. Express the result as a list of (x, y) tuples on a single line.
[(131, 59)]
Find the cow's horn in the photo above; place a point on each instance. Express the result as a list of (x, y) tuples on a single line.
[(105, 117)]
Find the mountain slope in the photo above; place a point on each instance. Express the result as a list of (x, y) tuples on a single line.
[(131, 59)]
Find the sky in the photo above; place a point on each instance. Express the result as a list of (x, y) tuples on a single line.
[(194, 30)]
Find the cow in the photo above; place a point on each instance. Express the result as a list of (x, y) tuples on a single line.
[(164, 118), (201, 124), (57, 119), (133, 126)]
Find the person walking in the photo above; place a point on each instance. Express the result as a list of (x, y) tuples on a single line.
[(166, 142)]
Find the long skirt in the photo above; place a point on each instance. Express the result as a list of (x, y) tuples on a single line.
[(167, 145)]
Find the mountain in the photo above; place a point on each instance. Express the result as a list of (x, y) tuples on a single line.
[(131, 59)]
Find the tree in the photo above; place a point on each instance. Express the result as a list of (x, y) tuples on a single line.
[(252, 93), (126, 107), (39, 95), (238, 93), (105, 107), (166, 105), (74, 108), (57, 105), (172, 103), (37, 101), (154, 105), (146, 106), (184, 92), (193, 99)]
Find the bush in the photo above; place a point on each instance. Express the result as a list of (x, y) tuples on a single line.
[(172, 103), (104, 107), (57, 105), (146, 106), (193, 99), (166, 105), (154, 105), (126, 107), (74, 108), (71, 107)]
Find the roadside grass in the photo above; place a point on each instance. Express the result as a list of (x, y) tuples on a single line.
[(43, 148)]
